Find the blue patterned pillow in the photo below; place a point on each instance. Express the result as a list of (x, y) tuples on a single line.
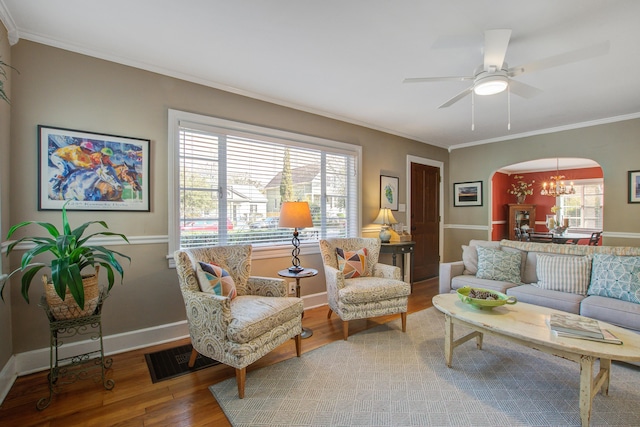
[(616, 276), (495, 264)]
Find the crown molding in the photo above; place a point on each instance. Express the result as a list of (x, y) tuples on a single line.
[(9, 24)]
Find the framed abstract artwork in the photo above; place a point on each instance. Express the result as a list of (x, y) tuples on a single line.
[(389, 192), (95, 171), (467, 193)]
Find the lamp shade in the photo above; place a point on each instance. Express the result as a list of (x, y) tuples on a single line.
[(385, 217), (295, 215)]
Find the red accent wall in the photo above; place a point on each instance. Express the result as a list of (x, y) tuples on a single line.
[(501, 183)]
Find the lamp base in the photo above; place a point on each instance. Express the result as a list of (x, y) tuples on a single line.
[(385, 235), (296, 268)]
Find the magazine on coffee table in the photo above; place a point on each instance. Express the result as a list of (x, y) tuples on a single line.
[(608, 337), (575, 325)]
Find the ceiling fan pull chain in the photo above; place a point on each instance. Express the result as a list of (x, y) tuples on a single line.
[(508, 108), (473, 116)]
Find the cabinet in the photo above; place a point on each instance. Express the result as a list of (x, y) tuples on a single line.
[(521, 216)]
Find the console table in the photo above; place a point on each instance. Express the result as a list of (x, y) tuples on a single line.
[(401, 248)]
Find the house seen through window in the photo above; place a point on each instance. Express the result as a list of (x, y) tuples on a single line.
[(231, 183)]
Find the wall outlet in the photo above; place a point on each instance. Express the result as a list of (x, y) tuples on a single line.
[(292, 288)]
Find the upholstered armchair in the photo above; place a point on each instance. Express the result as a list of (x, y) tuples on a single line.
[(377, 290), (240, 330)]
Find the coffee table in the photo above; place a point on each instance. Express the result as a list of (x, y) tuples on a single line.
[(526, 324)]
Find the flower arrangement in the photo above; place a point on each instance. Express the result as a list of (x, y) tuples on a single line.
[(521, 188)]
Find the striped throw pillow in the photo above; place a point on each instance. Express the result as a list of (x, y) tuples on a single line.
[(564, 273)]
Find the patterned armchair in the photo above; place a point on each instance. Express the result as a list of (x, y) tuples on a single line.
[(379, 292), (237, 331)]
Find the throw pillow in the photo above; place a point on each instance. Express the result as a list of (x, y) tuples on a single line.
[(494, 264), (352, 263), (616, 276), (470, 254), (215, 280), (563, 273)]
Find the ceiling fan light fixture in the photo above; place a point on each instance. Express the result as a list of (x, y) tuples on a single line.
[(491, 84)]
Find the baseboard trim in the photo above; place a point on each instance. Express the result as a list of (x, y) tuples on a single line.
[(8, 376)]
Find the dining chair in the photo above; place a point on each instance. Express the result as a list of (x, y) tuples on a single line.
[(541, 237), (594, 240)]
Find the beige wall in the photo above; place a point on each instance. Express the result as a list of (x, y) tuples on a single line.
[(64, 89), (6, 349), (614, 146)]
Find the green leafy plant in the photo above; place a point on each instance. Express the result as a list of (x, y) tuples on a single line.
[(72, 254), (521, 188)]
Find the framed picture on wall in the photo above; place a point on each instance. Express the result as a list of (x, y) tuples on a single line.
[(634, 186), (389, 192), (467, 193), (95, 171)]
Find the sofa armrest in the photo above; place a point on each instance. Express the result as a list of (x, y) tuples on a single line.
[(267, 287), (449, 270), (387, 271)]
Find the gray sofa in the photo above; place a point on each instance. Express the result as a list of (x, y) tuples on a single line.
[(618, 307)]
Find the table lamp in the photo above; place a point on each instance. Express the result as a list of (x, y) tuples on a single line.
[(385, 217), (295, 215)]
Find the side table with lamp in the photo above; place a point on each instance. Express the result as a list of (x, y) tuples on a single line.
[(296, 215)]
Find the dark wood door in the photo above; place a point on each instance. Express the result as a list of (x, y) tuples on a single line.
[(425, 220)]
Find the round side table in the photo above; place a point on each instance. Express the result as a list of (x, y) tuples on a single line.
[(307, 272)]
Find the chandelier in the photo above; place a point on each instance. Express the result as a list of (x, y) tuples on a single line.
[(556, 186)]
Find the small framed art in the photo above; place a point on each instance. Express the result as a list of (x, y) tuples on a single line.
[(389, 192), (467, 193), (634, 186), (95, 171)]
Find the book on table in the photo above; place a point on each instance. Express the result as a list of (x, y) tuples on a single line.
[(608, 337), (575, 325)]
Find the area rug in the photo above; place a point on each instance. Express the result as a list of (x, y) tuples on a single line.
[(382, 377), (173, 362)]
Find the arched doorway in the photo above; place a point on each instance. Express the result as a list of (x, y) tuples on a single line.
[(583, 210)]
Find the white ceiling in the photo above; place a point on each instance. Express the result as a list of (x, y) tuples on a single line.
[(347, 59)]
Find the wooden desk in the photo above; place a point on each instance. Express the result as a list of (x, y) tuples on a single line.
[(402, 248)]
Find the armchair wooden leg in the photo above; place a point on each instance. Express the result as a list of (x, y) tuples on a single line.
[(298, 339), (404, 321), (192, 359), (345, 329), (329, 314), (241, 376)]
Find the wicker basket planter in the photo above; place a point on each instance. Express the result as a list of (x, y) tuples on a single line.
[(69, 308)]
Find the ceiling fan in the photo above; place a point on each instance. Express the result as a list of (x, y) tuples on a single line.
[(494, 75)]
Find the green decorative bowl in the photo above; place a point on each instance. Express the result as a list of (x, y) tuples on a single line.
[(483, 304)]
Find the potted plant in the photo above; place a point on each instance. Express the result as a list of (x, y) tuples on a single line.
[(521, 189), (72, 253), (3, 76)]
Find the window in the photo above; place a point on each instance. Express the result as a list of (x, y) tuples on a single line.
[(230, 178), (584, 208)]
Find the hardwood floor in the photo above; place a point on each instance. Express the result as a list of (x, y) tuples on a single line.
[(182, 401)]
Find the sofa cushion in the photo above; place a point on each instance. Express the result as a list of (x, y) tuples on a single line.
[(564, 273), (496, 264), (616, 277), (553, 299), (352, 263), (470, 254), (458, 282), (372, 289), (216, 280), (611, 310)]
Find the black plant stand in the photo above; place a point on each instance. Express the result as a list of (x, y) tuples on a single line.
[(70, 369)]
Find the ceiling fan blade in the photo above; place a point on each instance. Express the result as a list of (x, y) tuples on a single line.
[(457, 98), (523, 89), (437, 79), (495, 48), (562, 59)]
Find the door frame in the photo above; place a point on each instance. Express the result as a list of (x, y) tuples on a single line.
[(437, 164)]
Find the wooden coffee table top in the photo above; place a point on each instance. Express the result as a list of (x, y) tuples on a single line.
[(530, 323)]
